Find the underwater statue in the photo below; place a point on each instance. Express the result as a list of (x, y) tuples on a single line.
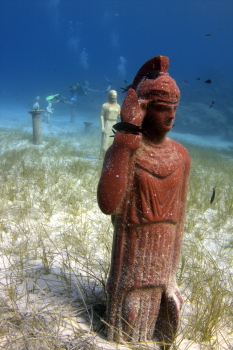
[(144, 186), (49, 110), (36, 105), (109, 114)]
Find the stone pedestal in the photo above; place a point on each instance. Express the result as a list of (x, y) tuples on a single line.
[(87, 127), (36, 126)]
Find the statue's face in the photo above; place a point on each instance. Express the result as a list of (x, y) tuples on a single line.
[(112, 96), (159, 117)]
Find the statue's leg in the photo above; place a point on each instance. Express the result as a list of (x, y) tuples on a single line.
[(113, 328), (168, 318), (140, 310)]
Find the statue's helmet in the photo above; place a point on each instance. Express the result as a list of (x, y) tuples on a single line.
[(153, 82)]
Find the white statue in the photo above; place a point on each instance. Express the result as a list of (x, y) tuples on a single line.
[(109, 114), (49, 110), (36, 105)]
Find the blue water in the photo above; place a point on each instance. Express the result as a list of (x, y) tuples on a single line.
[(46, 46)]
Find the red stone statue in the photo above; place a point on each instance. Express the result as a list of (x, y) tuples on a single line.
[(144, 186)]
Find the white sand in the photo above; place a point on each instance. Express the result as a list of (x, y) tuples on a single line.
[(59, 126)]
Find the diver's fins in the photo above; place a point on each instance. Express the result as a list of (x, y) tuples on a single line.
[(52, 97)]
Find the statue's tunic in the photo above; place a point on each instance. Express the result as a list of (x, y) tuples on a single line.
[(146, 221)]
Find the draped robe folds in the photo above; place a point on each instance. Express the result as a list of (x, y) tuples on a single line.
[(148, 223)]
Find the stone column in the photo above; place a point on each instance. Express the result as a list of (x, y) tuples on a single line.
[(36, 126)]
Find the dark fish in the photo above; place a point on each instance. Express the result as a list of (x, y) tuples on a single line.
[(208, 34), (198, 79), (153, 74), (128, 128), (125, 81), (208, 81), (213, 196), (212, 103), (126, 88), (185, 81)]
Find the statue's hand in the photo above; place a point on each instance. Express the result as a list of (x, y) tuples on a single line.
[(131, 111), (128, 142)]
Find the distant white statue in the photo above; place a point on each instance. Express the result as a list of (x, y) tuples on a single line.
[(36, 105), (109, 114), (49, 110)]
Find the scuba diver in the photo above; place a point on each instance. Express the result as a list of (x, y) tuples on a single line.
[(78, 89), (83, 88)]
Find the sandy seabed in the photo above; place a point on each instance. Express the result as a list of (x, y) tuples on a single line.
[(47, 287)]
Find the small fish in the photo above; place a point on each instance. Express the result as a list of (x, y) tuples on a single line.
[(126, 88), (128, 128), (185, 81), (213, 196), (208, 34), (212, 103), (198, 79), (208, 81)]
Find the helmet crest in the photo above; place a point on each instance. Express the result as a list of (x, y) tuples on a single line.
[(153, 82)]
